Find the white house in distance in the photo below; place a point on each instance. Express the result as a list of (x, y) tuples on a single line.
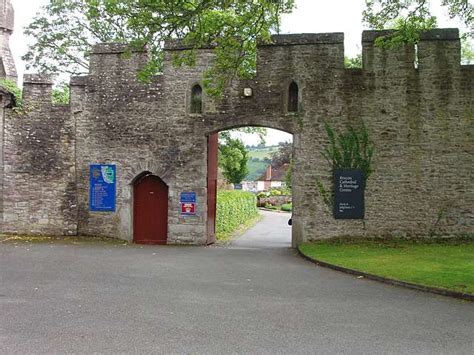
[(272, 178)]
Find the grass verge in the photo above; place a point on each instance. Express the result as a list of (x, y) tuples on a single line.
[(447, 264), (226, 237)]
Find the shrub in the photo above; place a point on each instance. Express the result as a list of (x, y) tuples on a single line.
[(275, 192), (12, 87), (233, 209), (287, 207)]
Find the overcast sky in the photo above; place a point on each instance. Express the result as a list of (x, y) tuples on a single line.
[(310, 16)]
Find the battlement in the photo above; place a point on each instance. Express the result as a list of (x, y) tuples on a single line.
[(38, 79), (37, 88), (79, 80), (119, 59), (284, 58)]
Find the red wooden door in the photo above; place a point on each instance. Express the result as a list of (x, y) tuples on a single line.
[(212, 148), (150, 211)]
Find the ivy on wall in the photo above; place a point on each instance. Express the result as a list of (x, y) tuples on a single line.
[(349, 149)]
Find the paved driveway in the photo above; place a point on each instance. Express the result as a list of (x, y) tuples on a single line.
[(62, 298)]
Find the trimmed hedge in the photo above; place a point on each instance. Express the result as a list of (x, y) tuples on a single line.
[(233, 209)]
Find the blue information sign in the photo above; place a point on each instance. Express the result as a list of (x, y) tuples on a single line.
[(187, 201), (187, 197), (102, 189)]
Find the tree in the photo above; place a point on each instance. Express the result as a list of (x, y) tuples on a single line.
[(282, 155), (467, 52), (62, 33), (65, 30), (11, 86), (353, 62), (411, 17), (261, 132), (61, 94), (233, 160)]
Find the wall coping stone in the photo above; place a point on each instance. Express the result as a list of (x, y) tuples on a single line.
[(79, 80), (305, 38), (179, 44), (38, 79), (436, 34), (118, 48), (276, 40)]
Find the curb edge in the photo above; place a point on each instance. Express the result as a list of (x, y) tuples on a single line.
[(435, 290)]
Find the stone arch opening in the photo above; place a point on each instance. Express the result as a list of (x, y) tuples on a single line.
[(272, 176), (150, 209)]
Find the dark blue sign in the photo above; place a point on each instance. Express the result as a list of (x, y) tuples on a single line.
[(237, 186), (348, 194), (187, 197), (102, 182)]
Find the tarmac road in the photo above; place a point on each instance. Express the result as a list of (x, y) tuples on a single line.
[(251, 297)]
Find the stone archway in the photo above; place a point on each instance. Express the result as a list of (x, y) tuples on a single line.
[(212, 161)]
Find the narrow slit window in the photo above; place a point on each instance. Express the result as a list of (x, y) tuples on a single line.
[(196, 99), (293, 97)]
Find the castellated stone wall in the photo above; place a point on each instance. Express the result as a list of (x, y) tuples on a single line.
[(419, 118), (39, 189)]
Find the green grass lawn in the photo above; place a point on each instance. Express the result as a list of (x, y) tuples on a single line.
[(443, 264)]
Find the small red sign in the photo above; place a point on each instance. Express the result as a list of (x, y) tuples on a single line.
[(188, 208)]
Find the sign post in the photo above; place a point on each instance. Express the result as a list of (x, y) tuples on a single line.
[(348, 194), (102, 187)]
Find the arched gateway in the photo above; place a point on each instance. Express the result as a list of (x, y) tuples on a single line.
[(419, 119)]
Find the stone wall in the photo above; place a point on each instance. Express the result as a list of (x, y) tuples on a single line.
[(39, 187), (420, 120)]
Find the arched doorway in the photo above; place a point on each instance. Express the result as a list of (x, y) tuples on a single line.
[(150, 210)]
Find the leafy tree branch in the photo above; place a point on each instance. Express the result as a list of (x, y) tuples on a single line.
[(65, 30), (409, 18)]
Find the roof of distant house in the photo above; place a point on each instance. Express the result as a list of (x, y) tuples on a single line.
[(277, 173)]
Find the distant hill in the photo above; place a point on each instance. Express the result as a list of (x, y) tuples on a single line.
[(257, 163), (262, 153)]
